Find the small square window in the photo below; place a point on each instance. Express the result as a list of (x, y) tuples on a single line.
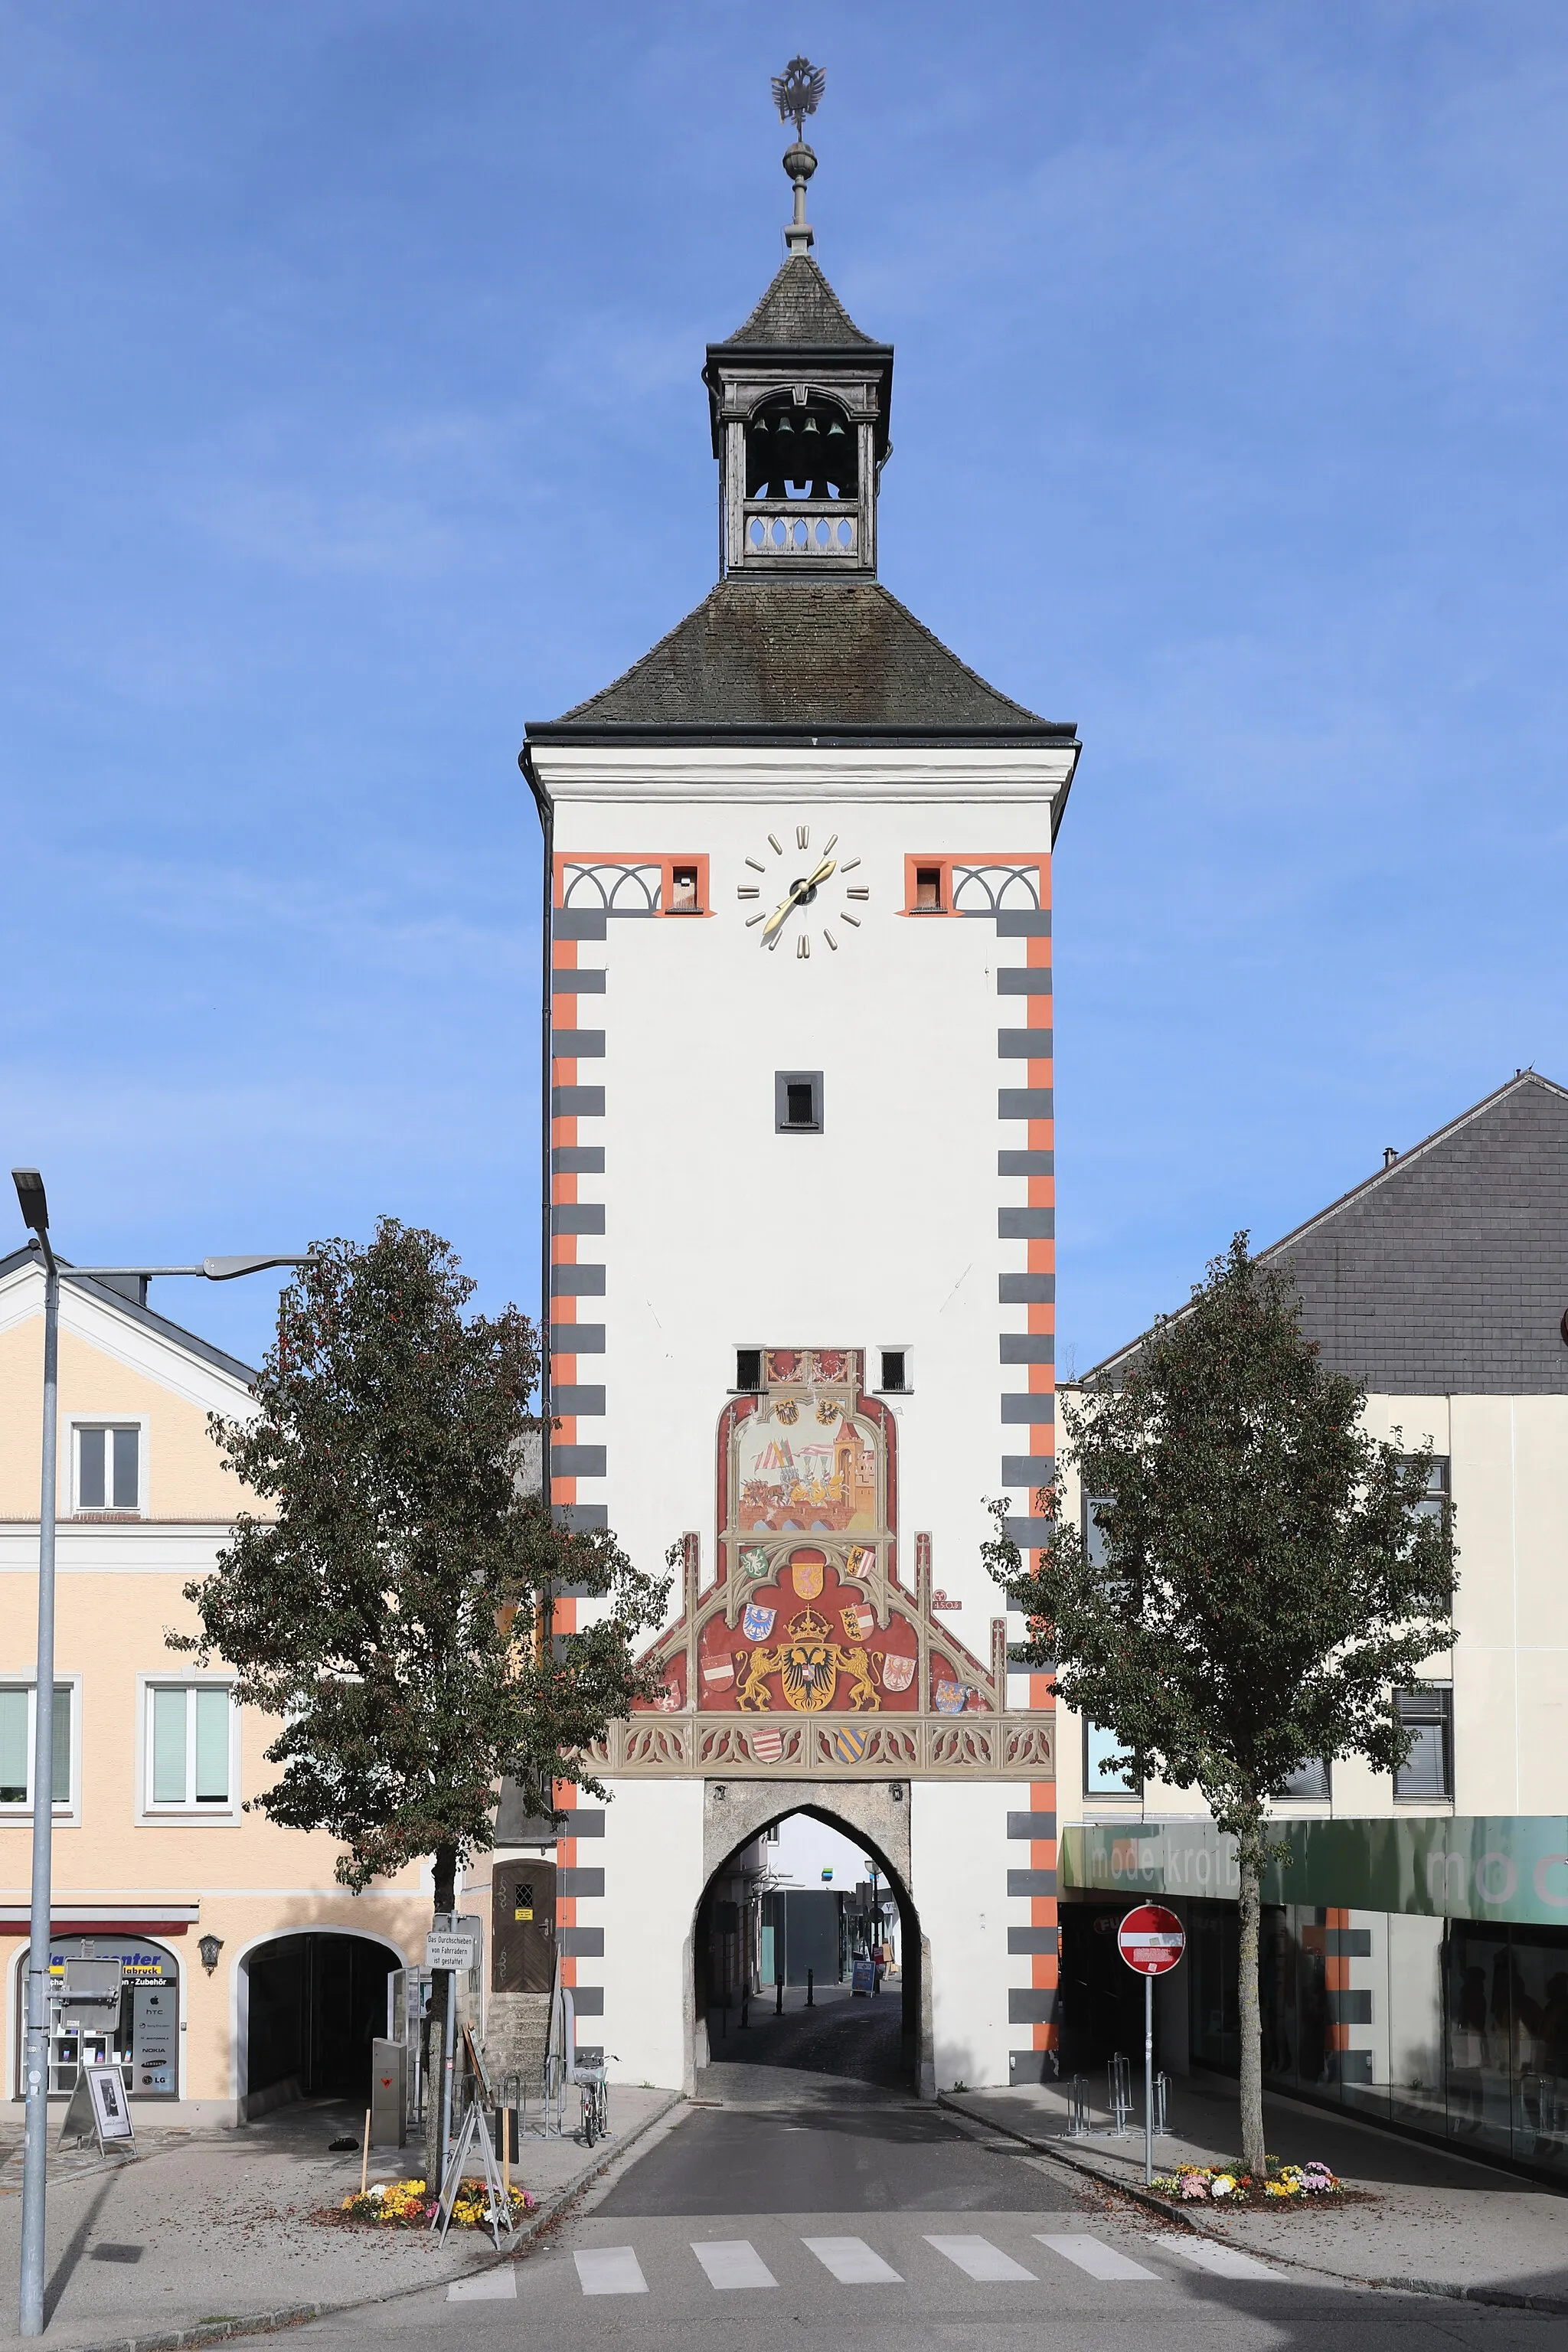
[(895, 1379), (797, 1102), (683, 890), (928, 889), (1429, 1770), (749, 1369), (108, 1467)]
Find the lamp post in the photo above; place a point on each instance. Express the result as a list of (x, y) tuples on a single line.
[(34, 1207)]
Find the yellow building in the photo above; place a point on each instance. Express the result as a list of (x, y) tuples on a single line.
[(250, 1975)]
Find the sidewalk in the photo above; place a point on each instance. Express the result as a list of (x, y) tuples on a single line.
[(216, 2227), (1439, 2222)]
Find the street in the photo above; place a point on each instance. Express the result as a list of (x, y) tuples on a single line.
[(835, 2211)]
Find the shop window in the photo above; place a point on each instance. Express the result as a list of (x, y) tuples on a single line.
[(1427, 1712), (108, 1466), (18, 1730), (140, 2032), (189, 1748)]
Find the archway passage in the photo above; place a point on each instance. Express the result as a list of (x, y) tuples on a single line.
[(316, 2003), (814, 1971)]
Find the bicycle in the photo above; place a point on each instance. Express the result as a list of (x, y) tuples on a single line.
[(595, 2108)]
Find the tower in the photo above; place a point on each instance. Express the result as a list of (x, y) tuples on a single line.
[(801, 1223)]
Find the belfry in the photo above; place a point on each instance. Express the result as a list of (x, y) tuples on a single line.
[(800, 1230)]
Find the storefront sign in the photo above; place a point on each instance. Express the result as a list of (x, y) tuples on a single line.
[(152, 2024), (1470, 1866)]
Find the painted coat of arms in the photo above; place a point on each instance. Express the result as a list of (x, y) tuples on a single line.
[(758, 1622), (809, 1666)]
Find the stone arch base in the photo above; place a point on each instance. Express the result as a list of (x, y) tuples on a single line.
[(733, 1812)]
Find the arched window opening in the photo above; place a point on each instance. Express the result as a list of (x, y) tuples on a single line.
[(795, 452)]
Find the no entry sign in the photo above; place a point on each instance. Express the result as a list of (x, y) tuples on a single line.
[(1151, 1939)]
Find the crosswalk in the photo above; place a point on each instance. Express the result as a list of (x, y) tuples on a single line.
[(731, 2263)]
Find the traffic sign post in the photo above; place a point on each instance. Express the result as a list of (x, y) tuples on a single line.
[(1151, 1941)]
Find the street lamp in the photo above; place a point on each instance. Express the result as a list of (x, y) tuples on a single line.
[(34, 1207)]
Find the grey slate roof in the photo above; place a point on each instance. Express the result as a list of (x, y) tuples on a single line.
[(111, 1296), (1446, 1273), (803, 654), (799, 308)]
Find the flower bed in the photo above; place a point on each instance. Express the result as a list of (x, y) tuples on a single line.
[(1230, 2185), (412, 2204)]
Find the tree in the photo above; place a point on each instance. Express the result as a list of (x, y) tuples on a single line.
[(396, 1614), (1263, 1575)]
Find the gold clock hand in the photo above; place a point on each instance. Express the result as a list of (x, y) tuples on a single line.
[(800, 890)]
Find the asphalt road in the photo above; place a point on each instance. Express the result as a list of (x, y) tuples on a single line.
[(884, 2225)]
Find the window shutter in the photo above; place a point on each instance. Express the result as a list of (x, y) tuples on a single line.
[(62, 1732)]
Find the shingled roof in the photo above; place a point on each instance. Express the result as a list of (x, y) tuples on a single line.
[(800, 307), (804, 653), (1447, 1272)]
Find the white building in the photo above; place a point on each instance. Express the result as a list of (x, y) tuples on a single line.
[(801, 1260)]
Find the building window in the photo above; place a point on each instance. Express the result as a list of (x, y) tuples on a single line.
[(1102, 1775), (683, 892), (190, 1742), (1308, 1779), (748, 1368), (897, 1371), (108, 1466), (928, 890), (1429, 1770), (1434, 1503), (797, 1102), (1097, 1551), (18, 1729)]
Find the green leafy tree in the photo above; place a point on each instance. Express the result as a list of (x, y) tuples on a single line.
[(395, 1612), (1263, 1575)]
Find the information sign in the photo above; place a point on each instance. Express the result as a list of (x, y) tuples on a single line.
[(1151, 1939), (445, 1948)]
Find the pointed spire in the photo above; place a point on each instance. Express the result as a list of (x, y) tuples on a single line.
[(798, 93)]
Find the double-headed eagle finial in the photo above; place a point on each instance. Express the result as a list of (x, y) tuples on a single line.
[(797, 92)]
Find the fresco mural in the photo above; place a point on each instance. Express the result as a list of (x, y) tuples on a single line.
[(807, 1615)]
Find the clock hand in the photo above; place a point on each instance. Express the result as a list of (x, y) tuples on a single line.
[(800, 890)]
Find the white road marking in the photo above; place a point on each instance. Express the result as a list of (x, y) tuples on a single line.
[(1224, 2262), (852, 2262), (490, 2286), (610, 2270), (1099, 2262), (977, 2258), (732, 2262)]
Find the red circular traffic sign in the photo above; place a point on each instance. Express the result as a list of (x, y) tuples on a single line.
[(1151, 1939)]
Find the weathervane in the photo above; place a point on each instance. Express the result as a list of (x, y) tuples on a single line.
[(797, 92)]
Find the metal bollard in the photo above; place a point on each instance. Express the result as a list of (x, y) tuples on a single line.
[(1119, 2091), (1078, 2127), (1162, 2084), (811, 1988), (778, 1998), (746, 2010)]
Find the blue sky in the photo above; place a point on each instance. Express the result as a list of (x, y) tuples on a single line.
[(351, 418)]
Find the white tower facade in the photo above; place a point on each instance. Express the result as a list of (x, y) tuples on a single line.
[(801, 1233)]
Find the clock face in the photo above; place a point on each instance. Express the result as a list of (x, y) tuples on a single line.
[(802, 894)]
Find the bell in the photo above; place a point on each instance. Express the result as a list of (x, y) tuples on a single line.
[(784, 425), (811, 425), (836, 430)]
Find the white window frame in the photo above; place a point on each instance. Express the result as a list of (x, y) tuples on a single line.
[(66, 1816), (187, 1813), (96, 1512)]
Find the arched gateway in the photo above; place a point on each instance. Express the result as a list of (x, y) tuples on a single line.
[(800, 1253)]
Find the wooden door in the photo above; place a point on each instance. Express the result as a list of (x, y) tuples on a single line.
[(522, 1927)]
